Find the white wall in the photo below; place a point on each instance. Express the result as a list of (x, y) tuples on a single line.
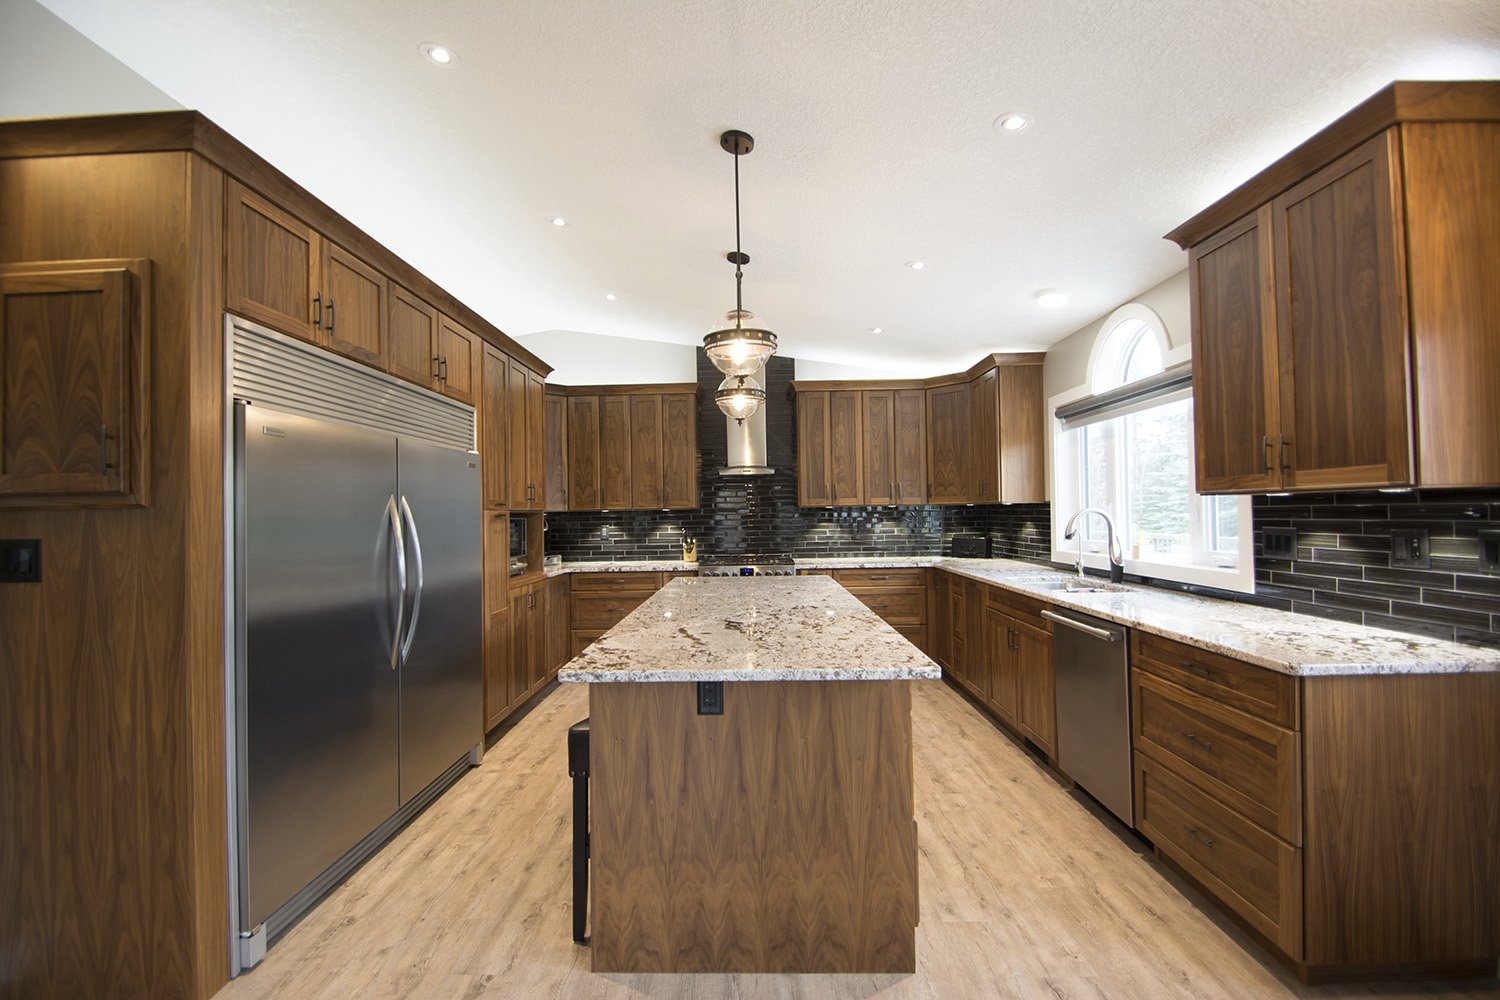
[(592, 359), (814, 370), (1067, 364), (49, 70)]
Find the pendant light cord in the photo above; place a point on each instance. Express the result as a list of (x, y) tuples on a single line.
[(739, 305)]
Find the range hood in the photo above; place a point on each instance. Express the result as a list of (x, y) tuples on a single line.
[(747, 441)]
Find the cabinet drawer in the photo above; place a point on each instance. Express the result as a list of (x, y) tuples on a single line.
[(624, 581), (1019, 607), (593, 611), (1254, 873), (584, 638), (916, 635), (1261, 692), (897, 607), (868, 579), (1249, 764)]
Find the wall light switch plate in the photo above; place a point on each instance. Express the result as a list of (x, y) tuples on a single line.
[(20, 560), (1279, 543), (1411, 549), (1489, 550)]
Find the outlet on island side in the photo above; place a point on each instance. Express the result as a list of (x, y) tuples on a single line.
[(710, 697)]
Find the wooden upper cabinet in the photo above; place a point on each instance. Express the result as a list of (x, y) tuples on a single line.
[(1342, 323), (1236, 395), (457, 360), (352, 295), (949, 461), (75, 383), (879, 422), (526, 461), (814, 482), (614, 453), (1023, 448), (271, 264), (679, 450), (645, 452), (984, 425), (583, 452), (555, 449), (494, 429), (845, 453), (909, 446), (412, 353)]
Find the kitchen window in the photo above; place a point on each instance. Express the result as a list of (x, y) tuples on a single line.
[(1127, 449)]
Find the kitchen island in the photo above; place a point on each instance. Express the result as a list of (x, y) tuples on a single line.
[(777, 835)]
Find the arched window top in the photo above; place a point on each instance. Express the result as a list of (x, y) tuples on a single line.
[(1131, 346)]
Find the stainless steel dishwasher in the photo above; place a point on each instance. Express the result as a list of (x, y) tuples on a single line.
[(1091, 660)]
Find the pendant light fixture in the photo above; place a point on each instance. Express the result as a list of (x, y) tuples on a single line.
[(739, 350)]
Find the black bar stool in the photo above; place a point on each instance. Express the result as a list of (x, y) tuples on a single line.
[(578, 770)]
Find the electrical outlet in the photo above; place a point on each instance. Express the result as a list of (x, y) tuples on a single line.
[(710, 697), (20, 560), (1279, 543), (1489, 550), (1411, 549)]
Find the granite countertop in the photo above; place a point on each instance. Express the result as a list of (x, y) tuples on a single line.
[(623, 566), (770, 628), (1301, 645)]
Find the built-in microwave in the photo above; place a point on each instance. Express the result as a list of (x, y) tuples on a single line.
[(517, 546)]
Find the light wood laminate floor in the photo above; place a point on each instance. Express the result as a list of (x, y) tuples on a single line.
[(1025, 892)]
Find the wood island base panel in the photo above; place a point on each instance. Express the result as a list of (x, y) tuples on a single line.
[(776, 837)]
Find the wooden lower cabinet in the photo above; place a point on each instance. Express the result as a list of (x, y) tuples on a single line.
[(898, 596), (598, 602)]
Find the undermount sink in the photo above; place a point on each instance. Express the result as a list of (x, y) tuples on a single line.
[(1074, 587)]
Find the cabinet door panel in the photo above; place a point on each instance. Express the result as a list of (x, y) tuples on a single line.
[(948, 438), (412, 340), (1036, 698), (1000, 631), (271, 263), (457, 349), (645, 452), (519, 466), (879, 446), (814, 484), (984, 426), (583, 452), (73, 381), (354, 312), (495, 429), (1023, 472), (845, 458), (679, 416), (555, 435), (614, 452), (523, 644), (1236, 408), (1341, 283), (535, 449), (909, 445)]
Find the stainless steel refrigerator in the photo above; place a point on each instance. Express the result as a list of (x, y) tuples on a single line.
[(358, 627)]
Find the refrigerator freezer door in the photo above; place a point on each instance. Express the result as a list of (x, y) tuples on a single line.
[(317, 693), (442, 694)]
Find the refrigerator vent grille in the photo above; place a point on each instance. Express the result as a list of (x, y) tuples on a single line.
[(285, 374)]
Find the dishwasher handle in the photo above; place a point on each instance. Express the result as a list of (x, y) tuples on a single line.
[(1097, 633)]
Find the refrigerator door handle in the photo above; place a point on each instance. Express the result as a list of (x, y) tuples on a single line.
[(398, 546), (416, 604)]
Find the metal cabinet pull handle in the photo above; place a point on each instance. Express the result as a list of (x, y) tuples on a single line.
[(1265, 446), (104, 438), (437, 367), (1192, 831), (444, 363), (331, 316), (1194, 668), (1281, 454), (317, 310), (1195, 741)]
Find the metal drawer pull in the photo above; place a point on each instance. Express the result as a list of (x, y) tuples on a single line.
[(1193, 832), (104, 438), (1265, 444), (1193, 668), (878, 578), (1097, 633), (1195, 741)]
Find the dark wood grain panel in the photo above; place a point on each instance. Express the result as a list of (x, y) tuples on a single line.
[(599, 611), (354, 305), (1251, 765), (679, 450), (1036, 685), (1023, 449), (878, 420), (845, 454), (614, 452), (858, 580), (949, 462), (270, 265), (494, 429), (1403, 819), (556, 445), (984, 436), (534, 450), (556, 625), (814, 481), (1453, 258), (583, 452), (1236, 399), (1341, 316), (645, 452), (411, 351), (1252, 872), (909, 448), (622, 582), (1001, 666), (458, 349), (1256, 690), (777, 837)]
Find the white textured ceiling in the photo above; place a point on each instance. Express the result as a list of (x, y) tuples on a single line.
[(874, 144)]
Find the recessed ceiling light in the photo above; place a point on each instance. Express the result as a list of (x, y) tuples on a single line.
[(559, 221), (876, 329), (1012, 121), (1052, 298), (440, 54), (610, 296), (917, 265)]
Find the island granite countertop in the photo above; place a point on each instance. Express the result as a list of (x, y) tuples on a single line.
[(769, 628)]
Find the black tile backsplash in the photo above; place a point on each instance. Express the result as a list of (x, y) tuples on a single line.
[(760, 514), (1343, 564)]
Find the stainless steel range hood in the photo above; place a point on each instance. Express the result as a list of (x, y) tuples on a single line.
[(747, 441)]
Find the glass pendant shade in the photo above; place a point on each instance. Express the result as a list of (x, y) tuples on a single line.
[(739, 350), (739, 396)]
